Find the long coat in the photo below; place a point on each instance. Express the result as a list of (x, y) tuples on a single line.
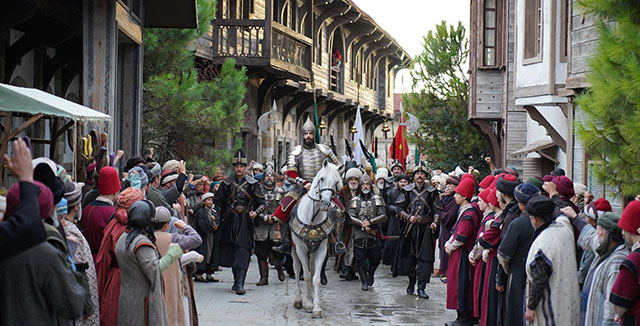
[(236, 229), (512, 254), (141, 293)]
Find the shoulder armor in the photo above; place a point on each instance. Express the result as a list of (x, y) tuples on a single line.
[(228, 181), (279, 190), (353, 203), (409, 187), (296, 150), (378, 200), (250, 179), (430, 188), (324, 149)]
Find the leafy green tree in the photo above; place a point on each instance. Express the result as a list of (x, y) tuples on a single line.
[(611, 104), (184, 107), (440, 98)]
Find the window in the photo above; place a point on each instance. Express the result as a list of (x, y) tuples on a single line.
[(533, 29), (564, 30), (490, 33)]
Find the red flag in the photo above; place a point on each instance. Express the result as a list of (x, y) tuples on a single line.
[(401, 149)]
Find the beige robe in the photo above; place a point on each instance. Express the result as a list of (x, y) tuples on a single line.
[(174, 293)]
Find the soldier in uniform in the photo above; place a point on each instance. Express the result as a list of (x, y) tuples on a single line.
[(303, 164), (393, 227), (240, 200), (367, 212), (266, 225), (415, 206), (396, 170)]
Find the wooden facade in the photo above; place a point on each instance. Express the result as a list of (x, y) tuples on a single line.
[(288, 47), (492, 79), (524, 102), (89, 52)]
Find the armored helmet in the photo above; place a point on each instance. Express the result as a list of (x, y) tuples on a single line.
[(308, 126), (240, 157)]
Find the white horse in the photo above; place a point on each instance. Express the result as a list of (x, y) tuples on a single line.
[(310, 228)]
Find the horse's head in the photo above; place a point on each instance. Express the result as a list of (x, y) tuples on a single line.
[(326, 184)]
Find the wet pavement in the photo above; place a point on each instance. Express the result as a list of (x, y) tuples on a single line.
[(342, 302)]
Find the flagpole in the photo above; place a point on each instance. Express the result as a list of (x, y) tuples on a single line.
[(403, 130)]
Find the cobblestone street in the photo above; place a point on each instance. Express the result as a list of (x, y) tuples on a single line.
[(343, 303)]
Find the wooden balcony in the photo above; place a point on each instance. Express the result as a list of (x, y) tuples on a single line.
[(262, 44)]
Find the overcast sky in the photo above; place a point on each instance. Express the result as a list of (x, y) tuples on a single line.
[(408, 21)]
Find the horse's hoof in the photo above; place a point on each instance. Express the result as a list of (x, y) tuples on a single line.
[(308, 309), (297, 304), (317, 314)]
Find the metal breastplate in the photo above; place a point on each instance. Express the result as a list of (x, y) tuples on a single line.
[(272, 199), (310, 163), (367, 209)]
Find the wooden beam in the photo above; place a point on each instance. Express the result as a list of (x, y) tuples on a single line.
[(4, 143), (552, 132), (354, 35), (492, 139), (127, 24)]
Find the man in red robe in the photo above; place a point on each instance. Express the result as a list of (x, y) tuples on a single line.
[(625, 295), (459, 288)]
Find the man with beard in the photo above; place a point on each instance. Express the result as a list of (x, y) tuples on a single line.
[(303, 163), (367, 212), (344, 229), (240, 200), (415, 251), (266, 227)]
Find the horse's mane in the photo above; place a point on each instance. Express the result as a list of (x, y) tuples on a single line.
[(330, 170)]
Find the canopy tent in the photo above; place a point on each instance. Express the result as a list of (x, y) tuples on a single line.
[(34, 101), (33, 104)]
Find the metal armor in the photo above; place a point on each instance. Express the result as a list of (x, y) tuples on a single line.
[(308, 161), (366, 208), (272, 197)]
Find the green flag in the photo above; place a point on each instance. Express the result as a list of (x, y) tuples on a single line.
[(315, 118)]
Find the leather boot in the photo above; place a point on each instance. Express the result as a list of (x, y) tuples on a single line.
[(349, 275), (285, 243), (422, 294), (241, 274), (411, 286), (264, 273), (372, 272), (235, 279), (364, 278), (278, 265)]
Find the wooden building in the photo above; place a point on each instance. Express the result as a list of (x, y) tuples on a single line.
[(300, 51), (89, 52)]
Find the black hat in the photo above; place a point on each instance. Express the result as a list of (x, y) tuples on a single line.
[(541, 206), (507, 183), (558, 172), (240, 157), (403, 177)]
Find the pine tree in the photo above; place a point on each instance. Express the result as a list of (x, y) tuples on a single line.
[(611, 130), (185, 108), (440, 98)]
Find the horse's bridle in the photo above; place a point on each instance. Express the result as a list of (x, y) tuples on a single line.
[(319, 191)]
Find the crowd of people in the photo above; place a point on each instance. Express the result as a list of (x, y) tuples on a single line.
[(125, 247)]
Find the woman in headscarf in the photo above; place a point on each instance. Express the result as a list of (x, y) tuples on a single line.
[(106, 264), (141, 294)]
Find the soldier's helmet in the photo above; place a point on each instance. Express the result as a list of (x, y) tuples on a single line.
[(396, 163), (365, 179), (269, 170), (308, 127), (420, 168), (239, 158)]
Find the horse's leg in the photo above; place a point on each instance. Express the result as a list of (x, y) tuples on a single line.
[(319, 257), (297, 302), (301, 251)]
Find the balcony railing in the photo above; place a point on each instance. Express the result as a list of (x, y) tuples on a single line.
[(262, 43)]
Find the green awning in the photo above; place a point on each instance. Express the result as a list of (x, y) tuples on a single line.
[(34, 101)]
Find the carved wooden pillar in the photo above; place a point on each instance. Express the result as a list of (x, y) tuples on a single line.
[(99, 60)]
